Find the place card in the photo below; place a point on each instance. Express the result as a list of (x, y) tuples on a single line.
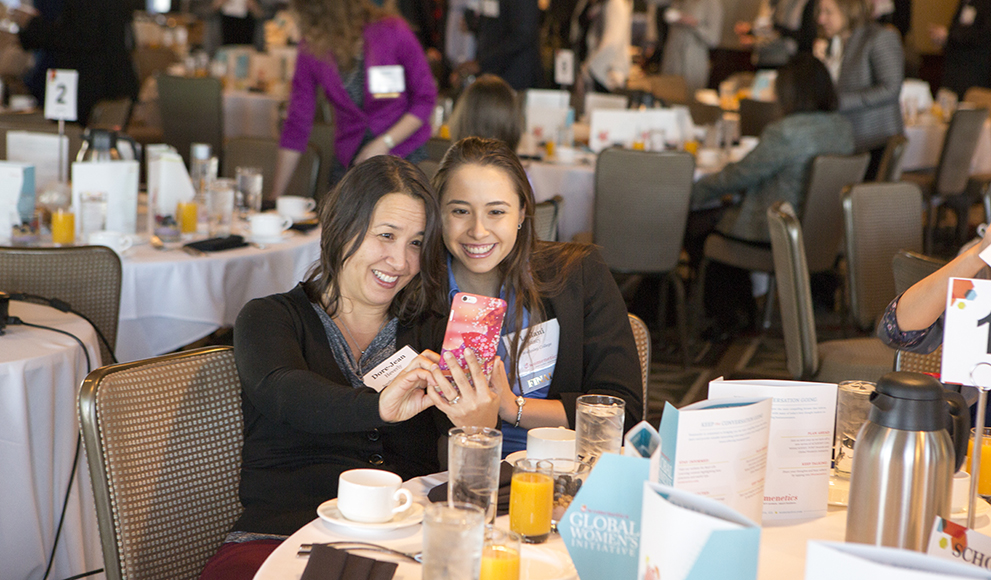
[(16, 195), (966, 336), (116, 182), (832, 560), (952, 541)]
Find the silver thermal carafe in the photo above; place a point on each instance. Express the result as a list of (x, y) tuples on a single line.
[(914, 440)]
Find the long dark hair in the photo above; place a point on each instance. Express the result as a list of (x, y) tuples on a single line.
[(345, 214), (533, 269), (803, 85)]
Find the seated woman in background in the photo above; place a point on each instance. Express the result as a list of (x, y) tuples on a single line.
[(562, 296), (488, 108), (301, 356), (776, 170)]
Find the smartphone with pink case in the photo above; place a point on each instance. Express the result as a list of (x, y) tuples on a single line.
[(475, 323)]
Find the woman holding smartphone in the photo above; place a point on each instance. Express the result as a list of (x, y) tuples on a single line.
[(576, 336)]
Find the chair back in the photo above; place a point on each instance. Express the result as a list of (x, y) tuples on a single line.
[(703, 114), (429, 168), (909, 268), (641, 208), (149, 61), (890, 167), (437, 147), (163, 441), (978, 96), (545, 218), (261, 152), (822, 214), (191, 112), (959, 145), (755, 115), (85, 277), (791, 272), (671, 89), (642, 337), (878, 220), (110, 114)]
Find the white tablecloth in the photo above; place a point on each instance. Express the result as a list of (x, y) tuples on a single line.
[(40, 374), (575, 183), (249, 114), (925, 141), (170, 299)]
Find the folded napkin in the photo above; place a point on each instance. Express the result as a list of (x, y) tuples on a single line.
[(327, 563), (439, 493), (305, 225), (218, 244)]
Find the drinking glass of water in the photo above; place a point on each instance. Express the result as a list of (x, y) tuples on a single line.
[(453, 535), (473, 457), (598, 426)]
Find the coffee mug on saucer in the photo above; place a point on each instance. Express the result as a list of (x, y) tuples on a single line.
[(371, 495), (960, 492), (550, 443), (116, 241), (267, 226), (295, 206)]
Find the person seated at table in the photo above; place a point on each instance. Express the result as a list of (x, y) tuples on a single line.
[(488, 108), (371, 68), (776, 169), (301, 356), (562, 298)]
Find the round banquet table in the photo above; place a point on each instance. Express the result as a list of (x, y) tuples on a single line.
[(782, 544), (170, 299), (40, 374)]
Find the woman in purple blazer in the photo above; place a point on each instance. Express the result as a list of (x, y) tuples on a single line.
[(374, 73)]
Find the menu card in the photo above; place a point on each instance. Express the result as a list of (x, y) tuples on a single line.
[(16, 195), (956, 542), (116, 185), (609, 127), (687, 536), (800, 444), (832, 560), (718, 449)]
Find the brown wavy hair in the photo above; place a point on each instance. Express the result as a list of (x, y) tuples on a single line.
[(335, 27), (345, 214), (488, 108), (533, 269)]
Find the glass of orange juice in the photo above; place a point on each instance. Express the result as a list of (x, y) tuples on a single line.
[(500, 555), (531, 500), (984, 481), (63, 227), (188, 212)]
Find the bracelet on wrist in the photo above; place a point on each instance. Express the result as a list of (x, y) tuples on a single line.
[(389, 142)]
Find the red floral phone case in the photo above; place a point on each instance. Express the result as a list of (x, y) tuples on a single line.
[(476, 323)]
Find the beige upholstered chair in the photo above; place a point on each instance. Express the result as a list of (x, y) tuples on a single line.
[(833, 361), (978, 96), (192, 112), (890, 167), (85, 277), (111, 114), (703, 114), (879, 219), (642, 337), (909, 268), (545, 218), (641, 209), (755, 115), (948, 184), (260, 152), (163, 442), (437, 147), (429, 168), (671, 89)]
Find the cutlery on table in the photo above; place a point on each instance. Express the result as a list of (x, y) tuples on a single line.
[(304, 550)]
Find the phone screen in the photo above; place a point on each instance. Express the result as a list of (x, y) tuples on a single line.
[(475, 323)]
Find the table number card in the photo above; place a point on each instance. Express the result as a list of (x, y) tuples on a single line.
[(967, 333), (60, 94)]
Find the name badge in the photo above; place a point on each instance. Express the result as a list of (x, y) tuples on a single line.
[(386, 82), (538, 358), (967, 15), (379, 377), (490, 8)]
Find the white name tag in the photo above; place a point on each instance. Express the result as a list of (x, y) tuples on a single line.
[(967, 15), (536, 365), (379, 377), (386, 81), (490, 8)]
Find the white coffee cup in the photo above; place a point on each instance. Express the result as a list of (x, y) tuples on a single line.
[(961, 492), (267, 226), (707, 157), (550, 443), (116, 241), (295, 206), (371, 495)]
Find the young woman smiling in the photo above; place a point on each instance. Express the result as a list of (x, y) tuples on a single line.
[(576, 334)]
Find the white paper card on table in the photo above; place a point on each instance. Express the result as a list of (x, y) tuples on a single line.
[(800, 444), (717, 448), (832, 560), (952, 541), (38, 149), (564, 67), (549, 98), (16, 195), (611, 127), (379, 377), (118, 180), (600, 101), (60, 94), (544, 123), (966, 336), (687, 537)]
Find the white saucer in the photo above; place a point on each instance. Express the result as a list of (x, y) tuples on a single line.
[(515, 456), (267, 239), (961, 516), (310, 215), (329, 513)]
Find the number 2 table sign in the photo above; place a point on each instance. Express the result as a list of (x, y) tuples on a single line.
[(60, 104)]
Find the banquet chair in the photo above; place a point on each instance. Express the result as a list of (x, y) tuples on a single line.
[(262, 153), (429, 168), (148, 61), (163, 441), (87, 278), (890, 167), (112, 114), (670, 89), (978, 96), (192, 112), (878, 220), (833, 361), (641, 209), (947, 185), (909, 268), (703, 114), (755, 115), (437, 147), (642, 337), (545, 218)]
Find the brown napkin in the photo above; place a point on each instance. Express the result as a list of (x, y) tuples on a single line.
[(439, 493), (327, 563)]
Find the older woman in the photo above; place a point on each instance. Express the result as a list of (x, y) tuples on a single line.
[(867, 63), (302, 357), (374, 73)]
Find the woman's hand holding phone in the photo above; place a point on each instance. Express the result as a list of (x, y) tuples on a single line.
[(468, 403), (406, 396)]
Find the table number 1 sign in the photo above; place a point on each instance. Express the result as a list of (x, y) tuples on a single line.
[(967, 332), (60, 94)]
